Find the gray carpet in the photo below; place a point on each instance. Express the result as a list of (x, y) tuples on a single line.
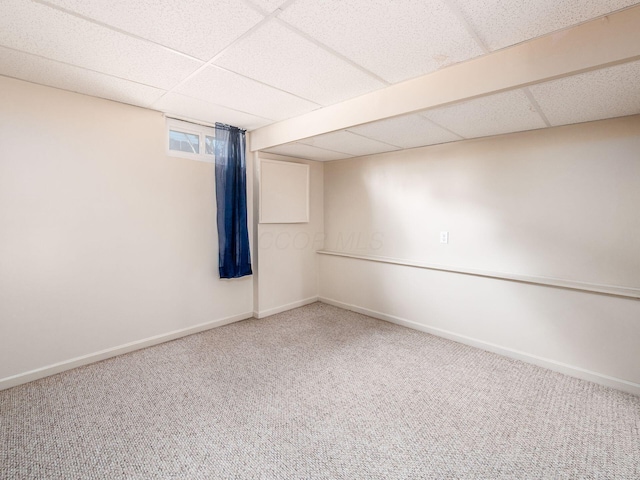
[(317, 392)]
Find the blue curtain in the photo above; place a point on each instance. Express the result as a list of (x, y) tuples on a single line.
[(231, 196)]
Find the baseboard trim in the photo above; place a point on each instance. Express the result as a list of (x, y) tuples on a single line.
[(573, 371), (284, 308), (38, 373)]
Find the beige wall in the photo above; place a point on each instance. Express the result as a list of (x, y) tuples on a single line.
[(104, 239), (107, 244), (560, 202), (287, 262)]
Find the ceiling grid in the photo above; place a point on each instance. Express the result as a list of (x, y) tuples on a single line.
[(258, 62), (455, 8)]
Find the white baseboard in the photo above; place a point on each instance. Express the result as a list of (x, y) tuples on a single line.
[(38, 373), (599, 378), (284, 308)]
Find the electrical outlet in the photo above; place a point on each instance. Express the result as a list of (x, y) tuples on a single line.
[(444, 237)]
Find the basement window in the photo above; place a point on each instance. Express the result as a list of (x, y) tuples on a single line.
[(184, 142), (190, 140)]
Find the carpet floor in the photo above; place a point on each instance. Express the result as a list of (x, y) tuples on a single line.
[(317, 392)]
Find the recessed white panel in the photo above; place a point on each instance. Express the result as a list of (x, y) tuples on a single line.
[(395, 40), (197, 27), (407, 131), (347, 142), (193, 109), (41, 30), (48, 72), (300, 150), (493, 115), (240, 93), (501, 23), (284, 192), (275, 55), (606, 93)]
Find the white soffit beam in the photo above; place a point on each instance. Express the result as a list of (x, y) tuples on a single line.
[(599, 43)]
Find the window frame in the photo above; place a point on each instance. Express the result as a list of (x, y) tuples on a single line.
[(184, 126)]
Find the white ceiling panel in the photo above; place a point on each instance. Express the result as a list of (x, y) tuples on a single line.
[(44, 31), (395, 40), (492, 115), (48, 72), (408, 131), (268, 5), (277, 56), (607, 93), (193, 109), (500, 23), (196, 27), (239, 93), (300, 150), (350, 143)]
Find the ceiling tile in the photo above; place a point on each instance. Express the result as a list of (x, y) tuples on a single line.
[(195, 27), (606, 93), (492, 115), (192, 109), (309, 152), (40, 30), (239, 93), (407, 131), (268, 5), (48, 72), (501, 23), (275, 55), (395, 40), (350, 143)]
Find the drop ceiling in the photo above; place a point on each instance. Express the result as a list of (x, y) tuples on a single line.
[(252, 63)]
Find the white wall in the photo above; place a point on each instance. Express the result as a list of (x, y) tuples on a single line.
[(107, 244), (287, 262), (104, 239), (560, 202)]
